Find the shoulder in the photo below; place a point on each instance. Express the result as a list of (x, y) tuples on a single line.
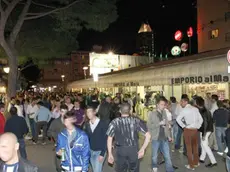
[(81, 132), (27, 165)]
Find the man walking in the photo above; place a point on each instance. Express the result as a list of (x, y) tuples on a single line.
[(159, 128), (190, 120), (125, 130), (96, 130), (18, 126)]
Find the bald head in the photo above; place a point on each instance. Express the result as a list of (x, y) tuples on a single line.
[(8, 147), (9, 137)]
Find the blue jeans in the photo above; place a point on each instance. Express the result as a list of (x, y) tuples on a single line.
[(96, 165), (220, 134), (33, 127), (22, 148), (164, 148), (228, 163), (178, 137)]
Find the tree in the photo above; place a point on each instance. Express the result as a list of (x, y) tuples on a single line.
[(69, 17)]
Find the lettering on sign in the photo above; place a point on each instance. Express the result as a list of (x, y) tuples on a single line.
[(200, 79), (126, 84)]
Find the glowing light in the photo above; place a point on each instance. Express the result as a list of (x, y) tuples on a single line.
[(176, 51), (178, 35), (33, 86), (63, 76), (54, 86), (6, 69), (95, 77), (190, 32), (110, 53), (85, 68)]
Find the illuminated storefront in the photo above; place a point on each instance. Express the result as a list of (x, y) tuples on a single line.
[(193, 75)]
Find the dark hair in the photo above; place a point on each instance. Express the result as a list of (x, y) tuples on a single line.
[(183, 96), (13, 111), (220, 104), (2, 105), (215, 97), (69, 114), (173, 99), (200, 101), (90, 107), (17, 102), (40, 103), (161, 98), (63, 106)]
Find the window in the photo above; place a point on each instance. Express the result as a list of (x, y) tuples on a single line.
[(227, 16), (213, 34), (227, 37)]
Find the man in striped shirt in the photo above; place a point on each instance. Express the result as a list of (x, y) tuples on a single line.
[(125, 130)]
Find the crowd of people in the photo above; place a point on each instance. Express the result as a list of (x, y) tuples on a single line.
[(88, 129)]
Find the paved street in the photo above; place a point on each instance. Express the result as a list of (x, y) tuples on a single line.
[(43, 156)]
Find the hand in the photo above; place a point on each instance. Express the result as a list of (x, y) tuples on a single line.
[(169, 139), (59, 153), (162, 122), (141, 153), (100, 159), (111, 159)]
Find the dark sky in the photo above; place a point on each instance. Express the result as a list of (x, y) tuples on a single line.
[(164, 16)]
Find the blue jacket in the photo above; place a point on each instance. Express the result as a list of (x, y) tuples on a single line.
[(78, 156)]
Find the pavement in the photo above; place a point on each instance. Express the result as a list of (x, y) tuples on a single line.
[(43, 157)]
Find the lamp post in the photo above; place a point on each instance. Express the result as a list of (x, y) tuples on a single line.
[(85, 68)]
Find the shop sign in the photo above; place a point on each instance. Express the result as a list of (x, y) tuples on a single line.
[(126, 84), (200, 79)]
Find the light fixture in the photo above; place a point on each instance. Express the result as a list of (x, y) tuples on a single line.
[(54, 86), (110, 53), (33, 86), (85, 68), (6, 69)]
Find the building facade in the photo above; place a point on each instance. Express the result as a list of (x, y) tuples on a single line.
[(146, 41), (213, 24), (61, 71), (192, 75)]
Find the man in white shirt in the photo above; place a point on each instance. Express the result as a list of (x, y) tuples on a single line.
[(190, 120), (31, 111)]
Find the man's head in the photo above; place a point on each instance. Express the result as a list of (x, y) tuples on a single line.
[(64, 109), (208, 95), (77, 104), (13, 111), (8, 147), (2, 107), (161, 103), (184, 101), (40, 103), (67, 100), (173, 99), (69, 119), (91, 112), (199, 102), (214, 98), (108, 99), (125, 109)]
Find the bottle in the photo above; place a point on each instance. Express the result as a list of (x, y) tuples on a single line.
[(62, 154)]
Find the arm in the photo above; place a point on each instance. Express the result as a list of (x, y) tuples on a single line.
[(104, 139), (200, 119), (179, 120), (146, 142), (49, 115), (35, 116), (59, 145), (86, 154), (109, 145)]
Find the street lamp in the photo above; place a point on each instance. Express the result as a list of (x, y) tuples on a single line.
[(63, 78), (110, 53), (6, 69), (85, 68)]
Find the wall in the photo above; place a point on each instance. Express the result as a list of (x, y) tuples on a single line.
[(207, 11)]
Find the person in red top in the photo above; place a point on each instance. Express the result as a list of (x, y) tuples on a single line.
[(2, 118)]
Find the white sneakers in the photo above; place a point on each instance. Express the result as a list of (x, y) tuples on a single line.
[(220, 153), (154, 169), (190, 168)]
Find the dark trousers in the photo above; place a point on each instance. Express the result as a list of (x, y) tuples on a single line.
[(22, 148), (33, 127), (127, 159), (41, 125), (191, 141)]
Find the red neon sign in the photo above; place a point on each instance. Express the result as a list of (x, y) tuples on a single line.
[(178, 35), (190, 32)]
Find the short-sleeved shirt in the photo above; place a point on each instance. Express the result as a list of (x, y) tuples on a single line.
[(125, 130)]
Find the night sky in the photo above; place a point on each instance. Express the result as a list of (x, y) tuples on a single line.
[(164, 16)]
